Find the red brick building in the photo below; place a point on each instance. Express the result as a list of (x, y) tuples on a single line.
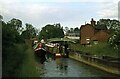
[(92, 32)]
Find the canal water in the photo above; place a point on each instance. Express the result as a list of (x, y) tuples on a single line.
[(66, 67)]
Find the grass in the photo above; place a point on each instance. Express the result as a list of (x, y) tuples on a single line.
[(99, 49), (29, 66), (19, 61), (13, 58)]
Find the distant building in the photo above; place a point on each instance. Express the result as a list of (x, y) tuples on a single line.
[(73, 35), (93, 33)]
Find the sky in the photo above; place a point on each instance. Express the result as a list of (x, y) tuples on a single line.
[(69, 13)]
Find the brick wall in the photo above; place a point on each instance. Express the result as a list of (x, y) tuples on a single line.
[(100, 36), (86, 32)]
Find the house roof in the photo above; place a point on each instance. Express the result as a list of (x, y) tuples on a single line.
[(85, 25), (100, 27), (100, 34)]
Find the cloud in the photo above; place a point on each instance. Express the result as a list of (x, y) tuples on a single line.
[(108, 10), (67, 12), (119, 11), (37, 13), (72, 0), (6, 7)]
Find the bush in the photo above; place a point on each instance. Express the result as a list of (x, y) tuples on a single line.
[(100, 49), (28, 68), (13, 58)]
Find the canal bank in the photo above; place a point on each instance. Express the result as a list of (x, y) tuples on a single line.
[(105, 64)]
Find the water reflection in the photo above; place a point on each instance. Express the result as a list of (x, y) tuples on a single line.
[(62, 65)]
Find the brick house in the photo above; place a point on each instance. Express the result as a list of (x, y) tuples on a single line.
[(92, 32)]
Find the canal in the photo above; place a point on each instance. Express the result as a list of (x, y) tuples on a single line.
[(66, 67)]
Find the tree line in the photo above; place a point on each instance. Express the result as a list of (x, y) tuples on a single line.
[(52, 31), (14, 46)]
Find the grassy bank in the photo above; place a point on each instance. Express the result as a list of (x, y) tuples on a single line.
[(98, 49), (28, 68), (12, 59), (19, 61)]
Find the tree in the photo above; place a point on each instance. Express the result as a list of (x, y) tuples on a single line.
[(12, 48), (51, 31), (76, 30), (66, 30), (30, 32), (112, 25), (71, 30), (10, 35), (114, 40), (15, 24), (114, 28), (1, 17)]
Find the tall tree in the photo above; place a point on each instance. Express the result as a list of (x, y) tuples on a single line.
[(52, 31), (1, 17), (13, 52), (114, 28), (114, 40), (16, 24), (71, 30), (76, 30), (11, 31), (112, 25), (30, 32)]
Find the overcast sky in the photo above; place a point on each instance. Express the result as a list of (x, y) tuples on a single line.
[(70, 13)]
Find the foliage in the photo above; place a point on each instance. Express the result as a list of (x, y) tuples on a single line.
[(15, 24), (1, 17), (114, 28), (30, 32), (114, 40), (71, 30), (9, 34), (100, 49), (14, 48), (28, 68), (13, 59), (11, 50), (112, 25), (51, 31), (76, 30)]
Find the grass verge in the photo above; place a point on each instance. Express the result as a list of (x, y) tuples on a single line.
[(28, 68), (99, 49)]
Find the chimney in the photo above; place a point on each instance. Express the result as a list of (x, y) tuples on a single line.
[(93, 23)]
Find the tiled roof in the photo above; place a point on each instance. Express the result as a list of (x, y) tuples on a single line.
[(100, 27)]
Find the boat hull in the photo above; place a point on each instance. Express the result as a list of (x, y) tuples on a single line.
[(41, 54)]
